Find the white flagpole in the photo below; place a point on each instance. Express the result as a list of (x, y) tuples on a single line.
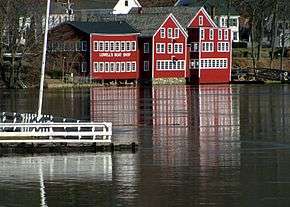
[(43, 61)]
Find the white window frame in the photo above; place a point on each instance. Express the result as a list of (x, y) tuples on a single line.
[(123, 46), (84, 46), (101, 69), (118, 67), (112, 49), (169, 33), (202, 32), (107, 46), (176, 32), (123, 67), (211, 34), (96, 46), (134, 69), (146, 47), (128, 46), (117, 46), (169, 48), (200, 20), (112, 66), (128, 66), (101, 46), (162, 32), (133, 46), (84, 67), (220, 34), (96, 67), (107, 67), (226, 34)]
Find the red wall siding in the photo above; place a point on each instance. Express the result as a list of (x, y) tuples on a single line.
[(132, 56), (157, 39), (195, 21)]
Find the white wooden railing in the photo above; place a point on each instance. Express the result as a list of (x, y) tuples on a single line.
[(56, 132)]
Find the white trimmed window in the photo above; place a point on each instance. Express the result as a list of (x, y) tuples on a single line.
[(195, 64), (133, 45), (133, 66), (158, 65), (128, 46), (96, 67), (106, 46), (169, 48), (169, 32), (96, 46), (123, 67), (117, 46), (178, 48), (200, 20), (162, 65), (207, 47), (211, 34), (202, 34), (223, 47), (162, 32), (101, 67), (166, 65), (220, 35), (107, 67), (101, 46), (112, 46), (117, 67), (160, 48), (128, 66), (176, 32), (194, 47), (146, 47), (182, 64), (226, 34), (112, 67), (84, 46), (123, 46)]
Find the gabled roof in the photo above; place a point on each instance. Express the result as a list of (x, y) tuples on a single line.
[(113, 27), (220, 5), (157, 3), (95, 4), (148, 20)]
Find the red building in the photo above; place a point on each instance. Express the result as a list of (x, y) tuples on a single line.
[(159, 44)]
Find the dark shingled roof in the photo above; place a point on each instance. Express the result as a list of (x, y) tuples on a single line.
[(95, 4), (113, 27), (148, 20)]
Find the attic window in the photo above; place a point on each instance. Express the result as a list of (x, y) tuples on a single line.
[(126, 3), (200, 22)]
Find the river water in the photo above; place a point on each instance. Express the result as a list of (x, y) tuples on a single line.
[(216, 145)]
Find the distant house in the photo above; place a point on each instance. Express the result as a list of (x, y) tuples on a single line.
[(218, 9)]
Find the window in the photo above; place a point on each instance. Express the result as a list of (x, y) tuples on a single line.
[(146, 48), (158, 65), (95, 46), (176, 32), (128, 66), (207, 47), (166, 65), (169, 64), (169, 33), (220, 35), (101, 67), (133, 66), (202, 34), (194, 47), (223, 47), (146, 65), (223, 22), (162, 65), (106, 46), (169, 48), (133, 44), (84, 67), (178, 48), (235, 36), (84, 46), (225, 63), (226, 34), (78, 46), (178, 65), (211, 34), (182, 64), (126, 3), (162, 32), (117, 67), (160, 48), (117, 46), (213, 63), (122, 46), (112, 46), (112, 67), (200, 20), (201, 63), (101, 46), (128, 46), (107, 69), (123, 67), (96, 66)]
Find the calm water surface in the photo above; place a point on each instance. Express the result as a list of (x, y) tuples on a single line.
[(199, 146)]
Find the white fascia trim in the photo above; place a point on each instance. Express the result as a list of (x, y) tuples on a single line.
[(207, 16), (104, 34), (138, 4)]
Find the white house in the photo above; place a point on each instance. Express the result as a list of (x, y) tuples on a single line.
[(125, 6), (234, 25)]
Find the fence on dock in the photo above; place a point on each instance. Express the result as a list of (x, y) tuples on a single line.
[(55, 130)]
